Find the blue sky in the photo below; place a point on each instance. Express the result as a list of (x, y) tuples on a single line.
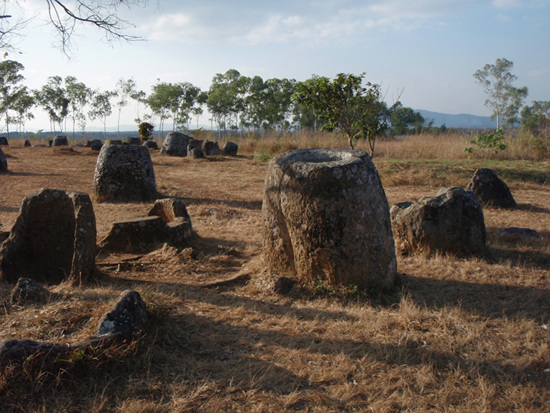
[(424, 51)]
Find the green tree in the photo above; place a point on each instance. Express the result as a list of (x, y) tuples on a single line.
[(164, 101), (101, 107), (188, 103), (268, 103), (53, 98), (402, 119), (503, 98), (22, 105), (226, 98), (347, 104), (536, 117), (78, 94), (9, 87), (304, 116)]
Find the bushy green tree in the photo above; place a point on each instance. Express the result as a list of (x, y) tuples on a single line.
[(269, 103), (402, 119), (226, 98), (176, 100), (347, 104), (536, 117)]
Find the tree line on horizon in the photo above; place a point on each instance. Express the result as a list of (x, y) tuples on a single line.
[(235, 102), (346, 103)]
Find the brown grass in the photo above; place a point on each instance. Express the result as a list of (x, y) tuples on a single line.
[(458, 334)]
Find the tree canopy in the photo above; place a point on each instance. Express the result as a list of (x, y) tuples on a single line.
[(347, 104), (503, 98)]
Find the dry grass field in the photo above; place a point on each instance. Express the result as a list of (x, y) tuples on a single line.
[(457, 334)]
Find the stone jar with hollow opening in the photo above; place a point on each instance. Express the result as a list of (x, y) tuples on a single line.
[(326, 217)]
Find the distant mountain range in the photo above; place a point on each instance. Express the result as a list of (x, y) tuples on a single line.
[(461, 121)]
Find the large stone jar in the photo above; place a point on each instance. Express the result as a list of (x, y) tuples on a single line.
[(124, 173), (326, 217)]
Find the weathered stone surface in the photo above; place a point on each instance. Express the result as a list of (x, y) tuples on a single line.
[(194, 143), (169, 209), (93, 142), (3, 140), (96, 146), (211, 148), (124, 322), (113, 142), (230, 148), (124, 173), (490, 189), (27, 143), (136, 235), (60, 140), (52, 240), (132, 140), (326, 216), (3, 162), (451, 221), (179, 232), (126, 318), (28, 290), (151, 145), (43, 354), (195, 152), (175, 144)]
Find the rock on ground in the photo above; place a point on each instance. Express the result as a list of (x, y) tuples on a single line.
[(136, 235), (175, 144), (52, 240), (490, 189), (124, 323), (211, 148), (230, 148), (451, 221), (60, 140), (28, 290)]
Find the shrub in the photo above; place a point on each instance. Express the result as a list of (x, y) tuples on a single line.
[(145, 131), (487, 142)]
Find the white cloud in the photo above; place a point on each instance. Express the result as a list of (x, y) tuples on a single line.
[(304, 22), (168, 26)]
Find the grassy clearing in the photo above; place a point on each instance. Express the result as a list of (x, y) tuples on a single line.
[(458, 334)]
